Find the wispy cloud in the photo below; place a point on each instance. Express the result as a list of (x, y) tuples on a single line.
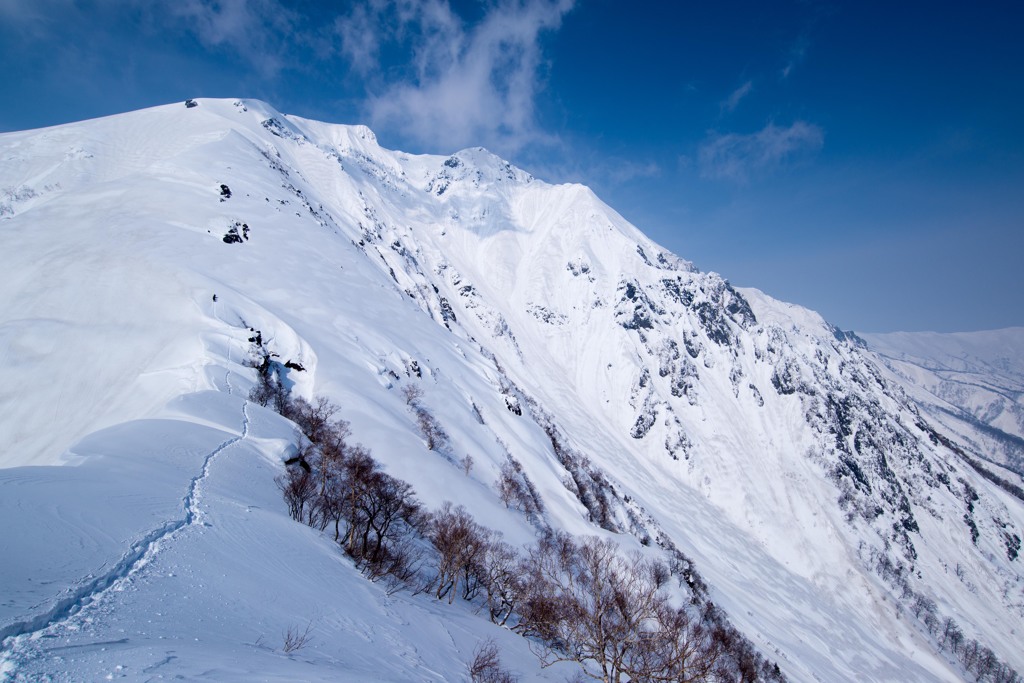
[(738, 158), (733, 100), (796, 55), (624, 171), (570, 161), (466, 84), (359, 32), (260, 31), (34, 20), (21, 13)]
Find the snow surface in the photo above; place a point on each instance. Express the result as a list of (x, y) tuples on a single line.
[(144, 537)]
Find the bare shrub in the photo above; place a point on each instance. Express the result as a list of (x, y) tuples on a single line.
[(579, 601), (431, 430), (270, 389), (516, 490), (486, 665), (412, 393), (587, 482), (296, 638)]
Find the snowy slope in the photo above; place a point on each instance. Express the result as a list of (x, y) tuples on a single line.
[(210, 594), (811, 493)]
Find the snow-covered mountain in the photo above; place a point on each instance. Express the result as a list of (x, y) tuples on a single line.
[(973, 382), (849, 534)]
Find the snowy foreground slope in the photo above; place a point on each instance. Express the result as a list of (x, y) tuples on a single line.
[(143, 252)]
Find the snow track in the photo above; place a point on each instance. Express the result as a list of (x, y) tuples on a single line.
[(71, 607), (193, 513)]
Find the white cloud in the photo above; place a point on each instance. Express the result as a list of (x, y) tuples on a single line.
[(730, 103), (466, 84), (738, 157)]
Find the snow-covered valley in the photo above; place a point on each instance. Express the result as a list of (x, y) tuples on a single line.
[(148, 255)]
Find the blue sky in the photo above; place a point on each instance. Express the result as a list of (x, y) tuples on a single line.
[(865, 159)]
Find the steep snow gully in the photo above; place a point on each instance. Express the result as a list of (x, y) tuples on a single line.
[(73, 606)]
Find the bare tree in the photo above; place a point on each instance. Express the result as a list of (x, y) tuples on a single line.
[(987, 663), (922, 604), (591, 605), (384, 515), (931, 622), (678, 647), (460, 544), (298, 487), (501, 574), (316, 420), (971, 655), (1002, 673), (952, 636), (585, 616)]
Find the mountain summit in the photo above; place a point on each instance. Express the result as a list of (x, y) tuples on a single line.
[(151, 258)]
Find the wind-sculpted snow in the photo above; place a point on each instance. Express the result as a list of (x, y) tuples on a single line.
[(39, 536), (643, 400)]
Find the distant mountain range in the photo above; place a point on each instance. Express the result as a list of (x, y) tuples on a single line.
[(973, 382)]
